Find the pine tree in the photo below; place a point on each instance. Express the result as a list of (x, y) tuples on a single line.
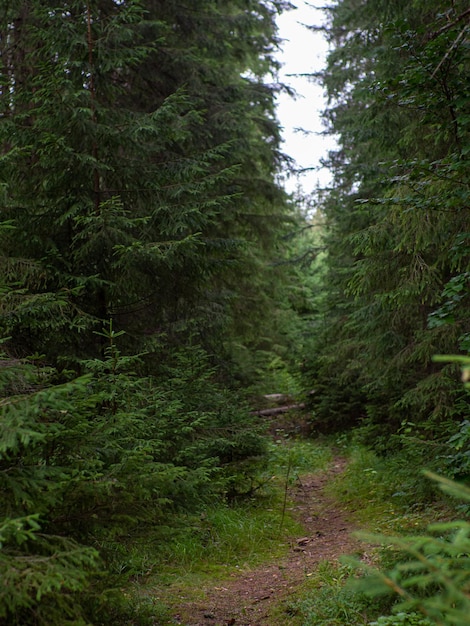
[(144, 150), (399, 104), (140, 219)]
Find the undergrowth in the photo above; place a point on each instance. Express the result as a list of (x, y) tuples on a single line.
[(387, 494), (326, 599), (202, 551), (192, 552), (381, 495)]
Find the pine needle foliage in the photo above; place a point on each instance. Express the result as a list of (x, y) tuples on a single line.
[(44, 572), (140, 226), (140, 173), (91, 460), (432, 571), (397, 220)]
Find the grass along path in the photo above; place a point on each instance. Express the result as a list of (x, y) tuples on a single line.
[(274, 561), (242, 580), (248, 598)]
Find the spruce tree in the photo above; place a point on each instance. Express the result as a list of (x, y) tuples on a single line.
[(140, 218), (396, 217), (144, 149)]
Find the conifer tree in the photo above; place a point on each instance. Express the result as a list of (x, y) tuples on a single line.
[(140, 217), (142, 157), (397, 216)]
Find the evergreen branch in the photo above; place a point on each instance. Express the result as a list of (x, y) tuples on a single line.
[(299, 230), (309, 254), (450, 25), (450, 50)]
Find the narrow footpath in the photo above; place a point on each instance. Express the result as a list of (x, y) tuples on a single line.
[(246, 599)]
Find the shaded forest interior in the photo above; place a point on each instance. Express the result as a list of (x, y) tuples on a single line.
[(157, 282)]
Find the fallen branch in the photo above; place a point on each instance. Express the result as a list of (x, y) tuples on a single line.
[(279, 409)]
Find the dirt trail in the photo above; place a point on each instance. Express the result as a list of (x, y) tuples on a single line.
[(246, 599)]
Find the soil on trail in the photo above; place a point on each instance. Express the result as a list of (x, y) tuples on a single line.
[(245, 600)]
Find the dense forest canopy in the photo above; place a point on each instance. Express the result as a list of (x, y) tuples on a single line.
[(396, 288), (141, 273), (153, 269), (140, 151)]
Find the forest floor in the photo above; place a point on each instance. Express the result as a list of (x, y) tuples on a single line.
[(249, 597)]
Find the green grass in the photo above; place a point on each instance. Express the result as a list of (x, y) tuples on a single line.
[(300, 455), (225, 539), (327, 600), (388, 494), (381, 495), (234, 536), (200, 551), (249, 532)]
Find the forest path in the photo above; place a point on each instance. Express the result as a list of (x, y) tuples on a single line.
[(246, 599)]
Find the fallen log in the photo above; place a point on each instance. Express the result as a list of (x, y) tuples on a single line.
[(279, 409), (277, 397)]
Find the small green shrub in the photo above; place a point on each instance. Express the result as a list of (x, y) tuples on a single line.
[(89, 462), (42, 575)]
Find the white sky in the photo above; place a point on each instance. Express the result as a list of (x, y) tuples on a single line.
[(303, 52)]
